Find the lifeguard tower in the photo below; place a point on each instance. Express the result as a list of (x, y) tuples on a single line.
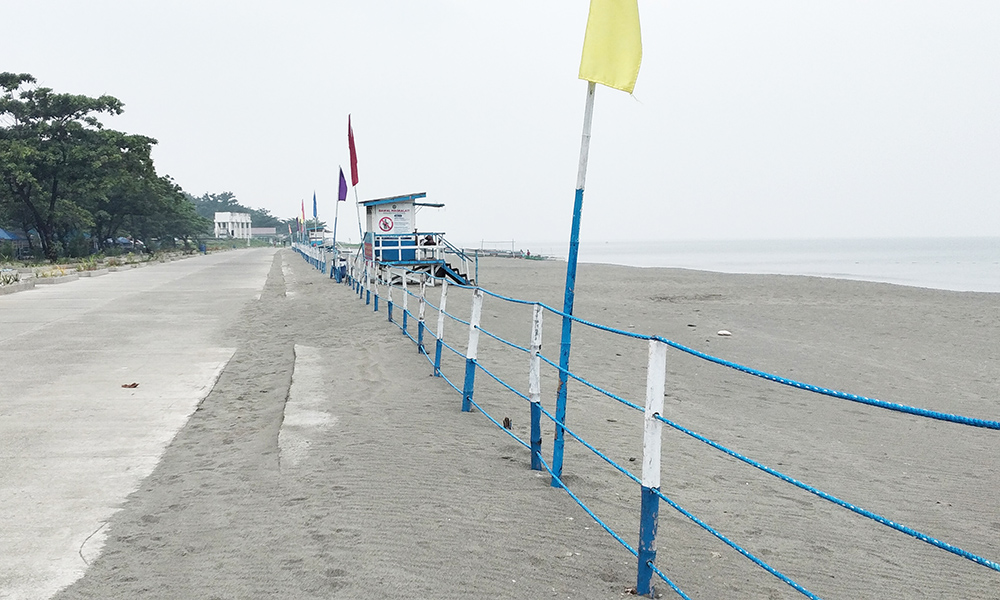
[(393, 241)]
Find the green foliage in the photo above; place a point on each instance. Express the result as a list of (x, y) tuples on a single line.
[(78, 185), (9, 276)]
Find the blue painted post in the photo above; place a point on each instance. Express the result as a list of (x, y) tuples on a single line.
[(535, 388), (567, 324), (368, 286), (473, 350), (420, 317), (440, 329), (649, 513), (656, 374), (375, 287)]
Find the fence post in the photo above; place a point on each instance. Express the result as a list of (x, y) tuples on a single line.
[(388, 292), (375, 286), (420, 317), (440, 332), (656, 374), (473, 349), (535, 388), (406, 293), (368, 285)]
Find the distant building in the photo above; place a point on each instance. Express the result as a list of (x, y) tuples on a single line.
[(232, 225)]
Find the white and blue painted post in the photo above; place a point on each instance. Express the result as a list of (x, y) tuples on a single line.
[(473, 350), (368, 284), (440, 330), (535, 388), (375, 286), (567, 322), (406, 293), (420, 317), (388, 297), (649, 512)]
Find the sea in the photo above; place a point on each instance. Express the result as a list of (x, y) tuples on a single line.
[(970, 264)]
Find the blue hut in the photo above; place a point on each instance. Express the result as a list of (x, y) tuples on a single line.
[(393, 241)]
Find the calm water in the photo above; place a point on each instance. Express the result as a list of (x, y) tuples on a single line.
[(961, 264)]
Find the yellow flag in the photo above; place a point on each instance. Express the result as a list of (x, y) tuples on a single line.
[(612, 46)]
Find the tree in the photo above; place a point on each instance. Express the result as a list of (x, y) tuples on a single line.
[(53, 154)]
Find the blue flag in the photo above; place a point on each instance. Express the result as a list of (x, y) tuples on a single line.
[(314, 205)]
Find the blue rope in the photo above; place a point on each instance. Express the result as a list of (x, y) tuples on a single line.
[(446, 345), (667, 580), (448, 381), (501, 340), (829, 497), (588, 446), (502, 428), (591, 385), (776, 378), (453, 317), (501, 381), (587, 509), (760, 563), (507, 298), (920, 412)]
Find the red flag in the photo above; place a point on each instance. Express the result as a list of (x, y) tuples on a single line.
[(354, 152), (303, 212)]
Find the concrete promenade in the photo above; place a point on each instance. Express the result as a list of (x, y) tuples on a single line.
[(74, 441)]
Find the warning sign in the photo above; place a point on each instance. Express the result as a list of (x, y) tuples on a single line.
[(395, 218)]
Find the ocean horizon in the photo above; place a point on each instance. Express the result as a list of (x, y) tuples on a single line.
[(968, 264)]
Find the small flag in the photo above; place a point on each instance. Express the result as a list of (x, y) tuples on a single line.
[(612, 46), (303, 213), (354, 152), (289, 228), (314, 206), (343, 186)]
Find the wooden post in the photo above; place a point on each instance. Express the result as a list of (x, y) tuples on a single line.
[(440, 330), (473, 349), (535, 388), (656, 374)]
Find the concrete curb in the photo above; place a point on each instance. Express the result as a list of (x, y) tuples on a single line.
[(20, 286), (94, 273), (55, 280)]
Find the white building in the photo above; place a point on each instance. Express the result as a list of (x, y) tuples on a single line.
[(232, 225)]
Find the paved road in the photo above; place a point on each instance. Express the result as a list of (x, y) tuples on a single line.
[(74, 442)]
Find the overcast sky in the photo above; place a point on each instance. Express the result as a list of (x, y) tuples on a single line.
[(750, 119)]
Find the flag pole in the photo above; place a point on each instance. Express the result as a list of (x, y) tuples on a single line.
[(567, 322)]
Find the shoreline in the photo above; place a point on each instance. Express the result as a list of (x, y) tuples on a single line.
[(955, 264)]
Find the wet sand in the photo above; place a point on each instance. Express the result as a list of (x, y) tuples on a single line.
[(401, 494)]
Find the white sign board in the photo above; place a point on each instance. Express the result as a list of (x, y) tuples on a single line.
[(394, 218)]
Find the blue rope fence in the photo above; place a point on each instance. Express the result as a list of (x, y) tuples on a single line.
[(474, 327)]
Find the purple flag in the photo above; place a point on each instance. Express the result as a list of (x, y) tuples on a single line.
[(343, 187)]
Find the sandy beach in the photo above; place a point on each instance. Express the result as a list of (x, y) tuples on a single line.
[(391, 491)]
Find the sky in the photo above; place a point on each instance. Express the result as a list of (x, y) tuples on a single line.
[(768, 119)]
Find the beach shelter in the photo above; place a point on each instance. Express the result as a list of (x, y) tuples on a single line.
[(393, 240)]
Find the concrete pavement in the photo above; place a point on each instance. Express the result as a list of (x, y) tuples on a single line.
[(74, 443)]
